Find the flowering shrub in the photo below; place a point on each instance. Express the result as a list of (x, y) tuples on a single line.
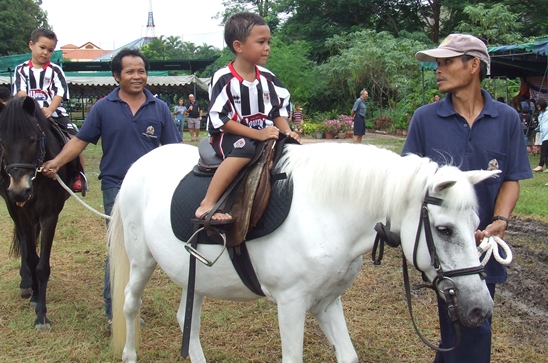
[(346, 123), (332, 125)]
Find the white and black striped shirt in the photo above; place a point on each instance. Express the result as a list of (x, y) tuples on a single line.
[(42, 84), (249, 103)]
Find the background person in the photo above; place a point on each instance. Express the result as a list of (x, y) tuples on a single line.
[(194, 113), (297, 120), (5, 95), (542, 129), (358, 115), (130, 122), (474, 132), (179, 112)]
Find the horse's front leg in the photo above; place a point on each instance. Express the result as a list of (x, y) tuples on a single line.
[(195, 350), (43, 271), (332, 322), (291, 317), (25, 287)]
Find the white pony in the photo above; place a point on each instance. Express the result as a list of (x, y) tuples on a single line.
[(340, 192)]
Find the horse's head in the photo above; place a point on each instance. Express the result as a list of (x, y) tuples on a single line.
[(443, 245), (22, 146)]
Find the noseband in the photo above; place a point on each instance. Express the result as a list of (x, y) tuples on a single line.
[(449, 291), (38, 161)]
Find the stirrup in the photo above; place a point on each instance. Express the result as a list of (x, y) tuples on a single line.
[(194, 252), (85, 185)]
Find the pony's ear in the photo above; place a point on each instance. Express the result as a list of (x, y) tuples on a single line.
[(438, 187), (29, 105), (476, 176)]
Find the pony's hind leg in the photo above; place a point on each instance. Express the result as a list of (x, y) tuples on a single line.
[(140, 274), (195, 348), (332, 322)]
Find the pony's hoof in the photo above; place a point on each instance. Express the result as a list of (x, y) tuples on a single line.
[(26, 293), (42, 326)]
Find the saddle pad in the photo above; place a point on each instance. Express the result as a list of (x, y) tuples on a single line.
[(192, 189)]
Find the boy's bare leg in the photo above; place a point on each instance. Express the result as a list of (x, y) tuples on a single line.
[(224, 175)]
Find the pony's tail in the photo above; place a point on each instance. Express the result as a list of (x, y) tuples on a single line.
[(15, 249), (119, 278)]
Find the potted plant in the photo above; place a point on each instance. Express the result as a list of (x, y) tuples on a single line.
[(332, 127), (347, 125)]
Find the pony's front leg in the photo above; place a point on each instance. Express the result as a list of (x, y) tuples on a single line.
[(332, 322), (291, 317), (195, 348)]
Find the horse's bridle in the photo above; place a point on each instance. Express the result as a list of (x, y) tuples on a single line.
[(39, 160), (449, 291)]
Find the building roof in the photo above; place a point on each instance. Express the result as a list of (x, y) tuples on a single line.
[(138, 43), (90, 86)]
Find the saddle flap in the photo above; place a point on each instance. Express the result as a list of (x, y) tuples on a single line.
[(209, 161), (252, 196)]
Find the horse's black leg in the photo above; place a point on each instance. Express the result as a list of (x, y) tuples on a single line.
[(43, 271), (24, 271)]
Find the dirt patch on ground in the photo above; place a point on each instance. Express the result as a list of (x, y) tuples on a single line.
[(524, 298)]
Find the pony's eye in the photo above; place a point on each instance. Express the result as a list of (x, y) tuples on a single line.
[(446, 231)]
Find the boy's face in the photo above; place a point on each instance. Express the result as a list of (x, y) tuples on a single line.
[(256, 47), (42, 51)]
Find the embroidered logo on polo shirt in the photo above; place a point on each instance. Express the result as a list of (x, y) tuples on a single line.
[(150, 133), (239, 144), (493, 165)]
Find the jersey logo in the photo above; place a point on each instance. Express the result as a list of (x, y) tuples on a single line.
[(239, 144), (266, 97), (37, 94)]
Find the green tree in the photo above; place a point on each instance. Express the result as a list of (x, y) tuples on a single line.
[(18, 18), (496, 24), (157, 49)]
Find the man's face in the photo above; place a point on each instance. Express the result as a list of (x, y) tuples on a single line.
[(133, 77), (365, 95), (191, 98), (453, 74)]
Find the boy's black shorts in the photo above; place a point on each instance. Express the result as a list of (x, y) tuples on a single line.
[(65, 122), (236, 146)]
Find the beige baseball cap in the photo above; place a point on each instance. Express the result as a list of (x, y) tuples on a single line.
[(456, 45)]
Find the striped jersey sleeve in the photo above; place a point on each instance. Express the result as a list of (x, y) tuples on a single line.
[(249, 103)]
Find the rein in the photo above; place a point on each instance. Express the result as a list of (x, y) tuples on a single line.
[(449, 293)]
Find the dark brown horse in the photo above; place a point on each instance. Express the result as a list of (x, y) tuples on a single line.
[(34, 201)]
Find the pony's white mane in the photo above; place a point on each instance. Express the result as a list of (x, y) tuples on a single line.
[(364, 176)]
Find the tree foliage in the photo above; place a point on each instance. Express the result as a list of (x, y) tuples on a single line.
[(18, 18)]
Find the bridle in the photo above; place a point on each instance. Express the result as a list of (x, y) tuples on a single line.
[(450, 291), (38, 161)]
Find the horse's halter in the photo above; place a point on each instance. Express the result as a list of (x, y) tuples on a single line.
[(449, 292), (40, 155)]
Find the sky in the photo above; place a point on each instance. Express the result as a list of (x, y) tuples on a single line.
[(110, 24)]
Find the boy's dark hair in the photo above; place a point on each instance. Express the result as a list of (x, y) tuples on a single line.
[(116, 65), (239, 26), (42, 32), (5, 94)]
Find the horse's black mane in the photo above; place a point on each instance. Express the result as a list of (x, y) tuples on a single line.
[(17, 122)]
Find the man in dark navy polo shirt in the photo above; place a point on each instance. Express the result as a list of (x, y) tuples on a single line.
[(471, 131), (131, 122)]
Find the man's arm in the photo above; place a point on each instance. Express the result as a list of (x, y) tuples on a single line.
[(504, 205), (70, 151)]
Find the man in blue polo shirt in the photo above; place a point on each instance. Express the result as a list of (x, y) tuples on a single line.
[(131, 122), (470, 130)]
